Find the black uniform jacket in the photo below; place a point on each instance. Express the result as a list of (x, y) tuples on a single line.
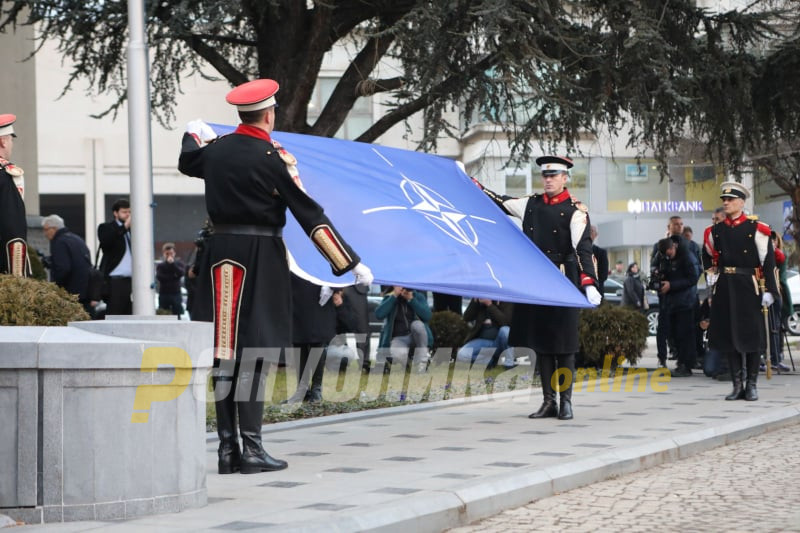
[(247, 182), (559, 227), (71, 262), (741, 250), (13, 225)]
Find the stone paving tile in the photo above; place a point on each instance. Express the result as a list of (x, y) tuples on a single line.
[(751, 485)]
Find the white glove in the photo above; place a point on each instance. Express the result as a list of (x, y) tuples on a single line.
[(325, 294), (767, 299), (593, 295), (202, 130), (363, 274)]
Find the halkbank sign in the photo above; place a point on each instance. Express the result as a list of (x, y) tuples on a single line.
[(658, 206)]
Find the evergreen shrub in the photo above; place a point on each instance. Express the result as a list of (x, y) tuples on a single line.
[(33, 302), (612, 329), (449, 330)]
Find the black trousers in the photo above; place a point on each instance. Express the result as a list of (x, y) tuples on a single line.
[(682, 327), (119, 296), (172, 302)]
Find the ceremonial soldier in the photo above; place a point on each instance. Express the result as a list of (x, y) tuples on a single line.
[(250, 180), (738, 253), (13, 225), (558, 224)]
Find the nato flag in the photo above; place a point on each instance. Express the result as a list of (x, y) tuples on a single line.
[(417, 221)]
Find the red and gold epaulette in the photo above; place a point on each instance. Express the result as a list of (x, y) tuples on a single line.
[(763, 228), (579, 205), (288, 158), (11, 169)]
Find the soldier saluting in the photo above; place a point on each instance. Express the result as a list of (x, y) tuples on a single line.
[(739, 254), (250, 181), (558, 224)]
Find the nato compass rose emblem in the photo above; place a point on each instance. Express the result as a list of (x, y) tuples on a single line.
[(437, 210)]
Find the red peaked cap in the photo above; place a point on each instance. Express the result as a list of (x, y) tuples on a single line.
[(7, 124), (253, 95)]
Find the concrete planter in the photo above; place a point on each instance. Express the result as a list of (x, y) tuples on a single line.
[(69, 449)]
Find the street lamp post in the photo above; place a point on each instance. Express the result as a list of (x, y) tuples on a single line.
[(141, 164)]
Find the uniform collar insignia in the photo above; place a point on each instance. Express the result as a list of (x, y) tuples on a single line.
[(735, 222), (557, 199)]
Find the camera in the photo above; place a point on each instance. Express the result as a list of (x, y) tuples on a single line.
[(658, 273), (654, 284)]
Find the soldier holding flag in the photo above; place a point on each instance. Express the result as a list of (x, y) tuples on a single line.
[(250, 180), (739, 256), (558, 223)]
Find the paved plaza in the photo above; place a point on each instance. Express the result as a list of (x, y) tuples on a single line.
[(751, 485), (438, 466)]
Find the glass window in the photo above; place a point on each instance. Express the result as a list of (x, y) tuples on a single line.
[(518, 184), (358, 120)]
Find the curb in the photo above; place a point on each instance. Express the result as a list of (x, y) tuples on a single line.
[(435, 511)]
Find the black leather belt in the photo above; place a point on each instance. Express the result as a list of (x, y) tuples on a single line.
[(738, 270), (559, 258), (248, 229)]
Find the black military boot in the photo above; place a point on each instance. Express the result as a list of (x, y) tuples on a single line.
[(735, 364), (314, 394), (750, 391), (251, 412), (565, 396), (228, 452), (548, 409)]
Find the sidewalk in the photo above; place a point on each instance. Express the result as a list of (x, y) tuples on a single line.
[(426, 468)]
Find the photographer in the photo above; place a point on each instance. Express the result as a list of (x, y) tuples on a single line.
[(678, 271), (405, 314), (664, 341)]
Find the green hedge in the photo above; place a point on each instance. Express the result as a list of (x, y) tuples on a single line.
[(449, 330), (612, 329), (33, 302)]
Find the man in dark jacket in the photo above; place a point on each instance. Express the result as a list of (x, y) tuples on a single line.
[(313, 327), (352, 316), (558, 224), (491, 325), (678, 290), (169, 273), (250, 181), (117, 262), (69, 261)]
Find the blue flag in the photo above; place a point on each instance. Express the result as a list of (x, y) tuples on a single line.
[(417, 221)]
